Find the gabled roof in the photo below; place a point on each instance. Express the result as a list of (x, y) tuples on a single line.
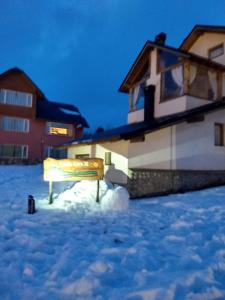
[(48, 110), (197, 31), (144, 55), (137, 129), (17, 70), (53, 111)]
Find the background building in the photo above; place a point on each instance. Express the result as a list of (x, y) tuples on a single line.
[(30, 124)]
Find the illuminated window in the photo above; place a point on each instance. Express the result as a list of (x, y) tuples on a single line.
[(219, 134), (54, 128), (15, 98), (13, 151), (216, 51), (15, 124)]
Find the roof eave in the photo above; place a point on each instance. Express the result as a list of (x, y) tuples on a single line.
[(197, 31)]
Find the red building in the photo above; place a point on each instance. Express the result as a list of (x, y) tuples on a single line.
[(30, 124)]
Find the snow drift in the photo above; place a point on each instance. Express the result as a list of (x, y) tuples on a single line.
[(85, 192)]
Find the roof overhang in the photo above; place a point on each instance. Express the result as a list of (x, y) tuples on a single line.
[(130, 131), (136, 68), (197, 31), (26, 77)]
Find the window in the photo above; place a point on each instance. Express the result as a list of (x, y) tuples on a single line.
[(138, 96), (81, 156), (172, 83), (216, 51), (167, 59), (55, 153), (15, 98), (13, 151), (15, 124), (203, 82), (219, 134), (59, 129), (172, 75)]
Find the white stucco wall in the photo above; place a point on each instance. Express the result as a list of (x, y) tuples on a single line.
[(193, 102), (207, 41), (136, 116), (195, 149), (71, 153), (118, 171), (155, 152), (185, 146)]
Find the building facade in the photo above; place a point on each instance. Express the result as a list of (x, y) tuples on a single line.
[(30, 125), (174, 140)]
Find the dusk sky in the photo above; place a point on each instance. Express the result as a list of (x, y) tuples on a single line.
[(79, 51)]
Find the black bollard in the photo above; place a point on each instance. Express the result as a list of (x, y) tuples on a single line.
[(31, 205)]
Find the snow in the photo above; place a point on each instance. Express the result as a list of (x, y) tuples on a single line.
[(85, 192), (169, 247)]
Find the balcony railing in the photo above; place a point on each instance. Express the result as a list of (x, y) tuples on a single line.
[(194, 79)]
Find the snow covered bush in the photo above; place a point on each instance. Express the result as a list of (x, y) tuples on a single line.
[(85, 192)]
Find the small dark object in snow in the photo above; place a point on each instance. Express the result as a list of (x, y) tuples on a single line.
[(31, 205), (117, 241), (162, 227)]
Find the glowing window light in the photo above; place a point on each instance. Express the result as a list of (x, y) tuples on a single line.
[(58, 130)]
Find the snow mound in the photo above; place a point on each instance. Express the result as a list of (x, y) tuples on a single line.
[(85, 192)]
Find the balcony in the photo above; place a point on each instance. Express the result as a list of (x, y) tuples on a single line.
[(191, 79)]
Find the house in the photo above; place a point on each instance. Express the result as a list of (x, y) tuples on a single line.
[(174, 138), (30, 124)]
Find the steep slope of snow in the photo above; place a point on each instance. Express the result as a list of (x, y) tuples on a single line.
[(165, 248)]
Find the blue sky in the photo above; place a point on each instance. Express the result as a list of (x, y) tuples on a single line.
[(79, 51)]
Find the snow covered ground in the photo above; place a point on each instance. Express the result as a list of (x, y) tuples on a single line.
[(165, 248)]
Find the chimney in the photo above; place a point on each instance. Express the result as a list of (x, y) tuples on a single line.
[(160, 38), (149, 103)]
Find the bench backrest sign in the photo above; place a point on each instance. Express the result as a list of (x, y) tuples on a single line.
[(73, 169)]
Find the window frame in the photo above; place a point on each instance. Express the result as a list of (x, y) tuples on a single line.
[(158, 70), (210, 50), (24, 150), (26, 124), (221, 134), (162, 73), (49, 151), (29, 98), (49, 125)]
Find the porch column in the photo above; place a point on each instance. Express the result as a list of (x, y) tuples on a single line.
[(130, 100), (186, 76)]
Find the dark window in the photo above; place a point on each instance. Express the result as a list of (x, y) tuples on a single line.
[(138, 96), (55, 153), (81, 156), (216, 51), (167, 59), (219, 135), (13, 151)]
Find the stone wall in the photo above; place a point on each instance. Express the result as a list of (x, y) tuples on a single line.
[(145, 182)]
